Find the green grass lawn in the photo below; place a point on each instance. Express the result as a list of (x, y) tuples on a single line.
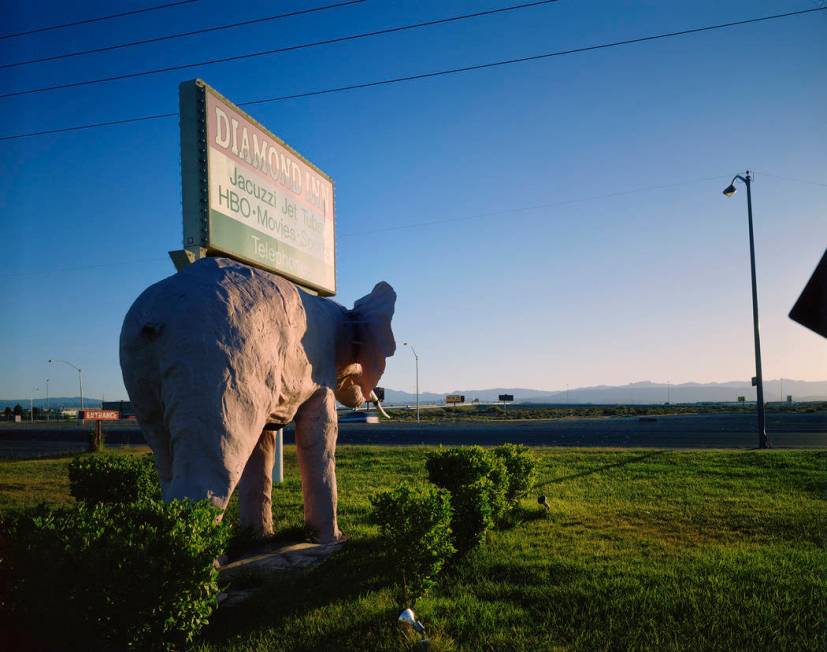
[(711, 550)]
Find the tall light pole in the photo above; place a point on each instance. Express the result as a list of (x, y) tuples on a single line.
[(31, 404), (80, 377), (416, 359), (758, 381)]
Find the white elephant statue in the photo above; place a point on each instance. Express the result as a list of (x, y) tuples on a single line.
[(219, 355)]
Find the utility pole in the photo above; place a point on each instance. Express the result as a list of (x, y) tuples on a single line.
[(80, 377), (758, 380), (416, 362), (31, 404)]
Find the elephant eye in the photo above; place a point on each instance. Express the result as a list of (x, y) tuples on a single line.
[(354, 369)]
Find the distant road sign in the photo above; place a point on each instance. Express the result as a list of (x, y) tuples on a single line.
[(454, 398), (742, 399), (507, 398)]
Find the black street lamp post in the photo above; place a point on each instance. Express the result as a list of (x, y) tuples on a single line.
[(758, 381)]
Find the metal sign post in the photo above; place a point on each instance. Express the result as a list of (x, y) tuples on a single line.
[(278, 465), (506, 399)]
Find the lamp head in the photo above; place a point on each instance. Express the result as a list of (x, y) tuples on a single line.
[(729, 190)]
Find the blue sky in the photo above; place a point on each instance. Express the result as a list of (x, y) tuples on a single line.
[(630, 266)]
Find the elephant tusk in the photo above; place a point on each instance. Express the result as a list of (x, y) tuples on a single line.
[(379, 407)]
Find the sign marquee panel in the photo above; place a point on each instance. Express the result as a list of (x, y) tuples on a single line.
[(250, 196), (99, 415)]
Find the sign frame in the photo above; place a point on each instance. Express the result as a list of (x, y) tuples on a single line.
[(201, 232)]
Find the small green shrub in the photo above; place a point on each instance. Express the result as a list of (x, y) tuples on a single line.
[(415, 526), (521, 467), (473, 514), (478, 482), (117, 575), (97, 479)]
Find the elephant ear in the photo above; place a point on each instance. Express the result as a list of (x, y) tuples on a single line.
[(373, 336)]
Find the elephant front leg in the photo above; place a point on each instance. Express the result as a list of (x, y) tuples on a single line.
[(316, 432), (256, 487)]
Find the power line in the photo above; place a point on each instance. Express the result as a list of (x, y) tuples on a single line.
[(169, 37), (524, 209), (778, 176), (81, 268), (94, 125), (428, 75), (263, 53), (504, 211), (99, 19)]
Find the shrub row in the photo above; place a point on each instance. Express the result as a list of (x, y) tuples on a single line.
[(415, 525), (475, 489), (484, 486), (477, 480), (97, 479), (120, 569), (118, 575)]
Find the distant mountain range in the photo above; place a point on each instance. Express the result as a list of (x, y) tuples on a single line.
[(55, 402), (634, 393)]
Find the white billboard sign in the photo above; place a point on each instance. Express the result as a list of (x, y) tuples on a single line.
[(250, 196)]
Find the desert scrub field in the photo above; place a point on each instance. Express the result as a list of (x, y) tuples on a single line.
[(654, 549), (521, 411)]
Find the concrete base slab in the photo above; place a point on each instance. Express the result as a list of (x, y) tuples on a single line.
[(285, 558)]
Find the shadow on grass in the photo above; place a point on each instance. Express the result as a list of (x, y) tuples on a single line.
[(519, 515), (600, 469)]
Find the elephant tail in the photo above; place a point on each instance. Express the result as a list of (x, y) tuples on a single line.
[(141, 331), (151, 330)]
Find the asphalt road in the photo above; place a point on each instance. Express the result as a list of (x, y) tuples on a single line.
[(679, 431), (786, 430)]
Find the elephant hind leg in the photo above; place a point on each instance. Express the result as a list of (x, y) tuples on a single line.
[(316, 432), (207, 461), (255, 488)]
